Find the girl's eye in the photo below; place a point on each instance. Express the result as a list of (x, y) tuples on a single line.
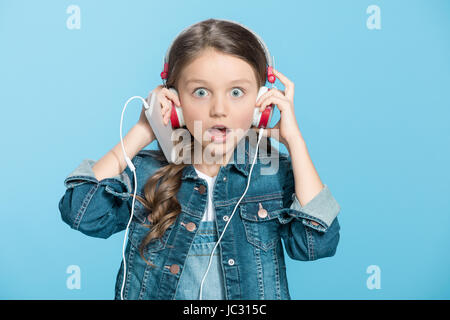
[(236, 90), (202, 90)]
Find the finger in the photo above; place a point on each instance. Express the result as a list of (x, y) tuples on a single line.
[(172, 96), (273, 91), (288, 84), (278, 101), (168, 102), (167, 118), (165, 109)]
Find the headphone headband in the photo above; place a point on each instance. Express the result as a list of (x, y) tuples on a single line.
[(271, 78)]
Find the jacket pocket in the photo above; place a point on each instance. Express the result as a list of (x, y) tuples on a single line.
[(261, 224)]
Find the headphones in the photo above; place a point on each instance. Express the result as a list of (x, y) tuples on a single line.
[(260, 119)]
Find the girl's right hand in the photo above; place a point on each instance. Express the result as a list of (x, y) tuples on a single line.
[(165, 97)]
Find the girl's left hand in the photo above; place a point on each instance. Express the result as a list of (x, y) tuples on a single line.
[(287, 125)]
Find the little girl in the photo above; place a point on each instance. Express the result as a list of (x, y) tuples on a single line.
[(216, 67)]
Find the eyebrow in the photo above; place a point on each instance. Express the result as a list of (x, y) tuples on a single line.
[(204, 81)]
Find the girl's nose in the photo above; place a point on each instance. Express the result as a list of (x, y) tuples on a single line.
[(219, 107)]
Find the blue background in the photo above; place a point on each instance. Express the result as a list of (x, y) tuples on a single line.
[(372, 105)]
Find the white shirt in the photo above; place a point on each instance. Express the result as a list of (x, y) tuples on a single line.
[(210, 214)]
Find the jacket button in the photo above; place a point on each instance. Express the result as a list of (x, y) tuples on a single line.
[(202, 189), (225, 178), (262, 213), (190, 226), (174, 268), (225, 218), (231, 262)]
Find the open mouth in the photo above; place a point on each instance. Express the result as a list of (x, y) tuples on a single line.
[(219, 133)]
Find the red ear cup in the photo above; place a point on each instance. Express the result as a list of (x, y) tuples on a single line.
[(262, 119), (176, 114), (265, 117), (174, 118)]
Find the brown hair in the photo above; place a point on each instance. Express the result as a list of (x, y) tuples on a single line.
[(161, 188)]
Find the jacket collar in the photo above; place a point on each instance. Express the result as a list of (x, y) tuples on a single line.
[(240, 159)]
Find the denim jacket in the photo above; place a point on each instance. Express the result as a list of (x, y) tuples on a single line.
[(251, 249)]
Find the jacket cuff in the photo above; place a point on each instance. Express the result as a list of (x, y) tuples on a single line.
[(119, 185), (323, 208)]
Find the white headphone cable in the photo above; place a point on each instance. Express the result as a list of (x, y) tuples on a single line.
[(133, 169)]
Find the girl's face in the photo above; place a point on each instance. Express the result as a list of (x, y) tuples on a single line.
[(217, 89)]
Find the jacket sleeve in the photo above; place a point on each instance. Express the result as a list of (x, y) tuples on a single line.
[(302, 239), (97, 208)]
